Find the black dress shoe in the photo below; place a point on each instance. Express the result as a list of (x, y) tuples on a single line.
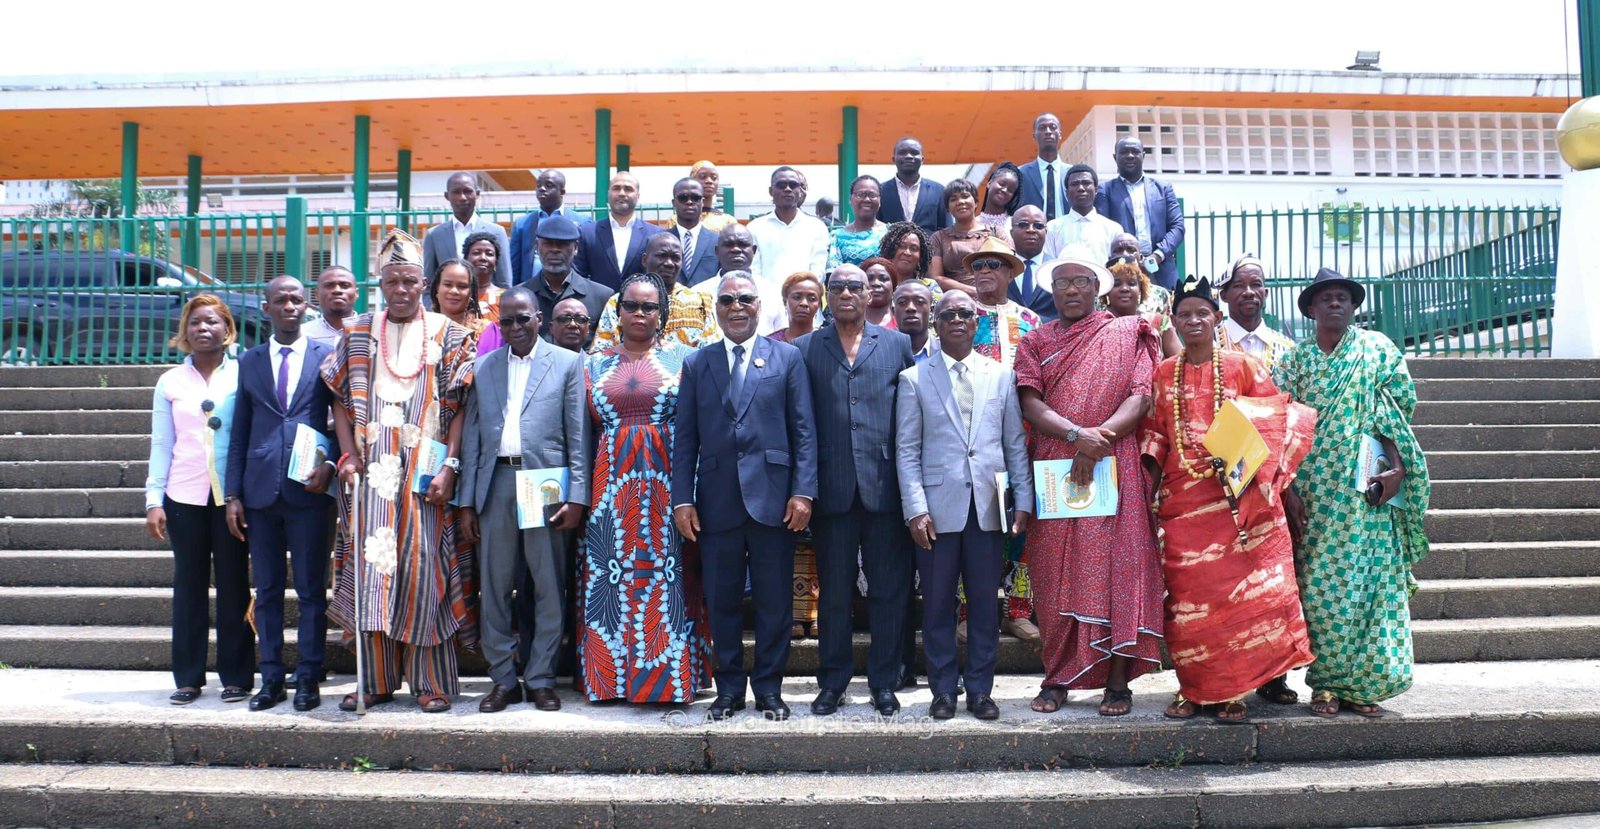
[(773, 706), (307, 695), (271, 694), (827, 702), (943, 707), (982, 706), (497, 699), (544, 699), (884, 702), (724, 706), (908, 681)]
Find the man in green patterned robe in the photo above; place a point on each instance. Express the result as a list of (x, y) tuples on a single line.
[(1355, 559)]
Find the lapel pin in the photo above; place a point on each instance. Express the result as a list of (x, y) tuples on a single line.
[(760, 363)]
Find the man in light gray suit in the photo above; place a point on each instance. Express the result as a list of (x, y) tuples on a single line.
[(443, 242), (960, 425), (526, 411)]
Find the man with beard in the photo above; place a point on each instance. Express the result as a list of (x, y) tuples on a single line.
[(556, 280), (613, 248), (909, 197), (336, 299)]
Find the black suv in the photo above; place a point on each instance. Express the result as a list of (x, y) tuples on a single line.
[(104, 307)]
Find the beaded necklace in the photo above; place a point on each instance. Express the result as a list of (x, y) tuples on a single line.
[(383, 346), (1180, 422)]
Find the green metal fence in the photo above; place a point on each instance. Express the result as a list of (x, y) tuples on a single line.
[(1441, 280)]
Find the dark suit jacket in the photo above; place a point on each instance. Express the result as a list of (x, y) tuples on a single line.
[(592, 295), (439, 245), (1033, 187), (1161, 209), (932, 213), (730, 458), (263, 433), (1043, 302), (597, 252), (524, 241), (704, 264), (855, 416)]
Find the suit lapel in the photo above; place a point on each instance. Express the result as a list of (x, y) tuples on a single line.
[(310, 370), (268, 381), (536, 374), (607, 246), (830, 341), (869, 342), (752, 374), (491, 386), (1031, 170), (719, 373), (939, 378), (636, 242)]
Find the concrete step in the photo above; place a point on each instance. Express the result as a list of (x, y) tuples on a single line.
[(1266, 795), (1527, 493), (1446, 466), (1507, 638), (74, 447), (73, 474), (80, 422), (1525, 389), (1479, 525), (72, 503), (1482, 598), (32, 399), (77, 534), (1507, 560), (84, 376), (1457, 367), (1552, 437), (1505, 412), (86, 568)]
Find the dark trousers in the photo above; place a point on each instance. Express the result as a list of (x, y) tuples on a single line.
[(885, 546), (978, 558), (200, 543), (766, 554), (304, 533)]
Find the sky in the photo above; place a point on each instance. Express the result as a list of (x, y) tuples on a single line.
[(190, 40)]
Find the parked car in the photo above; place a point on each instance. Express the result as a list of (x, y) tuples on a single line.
[(104, 306)]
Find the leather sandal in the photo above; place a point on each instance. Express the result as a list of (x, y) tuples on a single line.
[(1325, 704), (1111, 703), (433, 703), (1231, 712), (1180, 708), (1049, 700), (349, 701), (1278, 692)]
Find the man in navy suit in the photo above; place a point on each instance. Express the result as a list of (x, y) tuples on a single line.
[(551, 191), (910, 197), (853, 367), (1145, 207), (279, 391), (1028, 230), (1044, 179), (612, 249), (699, 244), (744, 474)]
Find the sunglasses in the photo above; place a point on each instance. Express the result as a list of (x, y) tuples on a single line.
[(728, 300), (629, 306), (688, 198), (520, 319), (985, 265), (1028, 225), (789, 185), (853, 286), (572, 319), (952, 314)]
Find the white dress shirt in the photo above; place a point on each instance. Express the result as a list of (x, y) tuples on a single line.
[(785, 249), (517, 369), (462, 231), (296, 358), (908, 194), (1141, 221), (622, 235), (749, 354), (1090, 230)]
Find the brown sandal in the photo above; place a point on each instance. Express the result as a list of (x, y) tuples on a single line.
[(1180, 708), (1231, 712), (1371, 712), (349, 701), (1278, 692), (1325, 704), (1049, 700), (434, 703)]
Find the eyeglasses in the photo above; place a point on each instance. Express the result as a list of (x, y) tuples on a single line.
[(1079, 281), (688, 198), (629, 306), (983, 265), (1028, 225), (951, 314), (853, 286), (572, 319), (728, 300), (520, 319)]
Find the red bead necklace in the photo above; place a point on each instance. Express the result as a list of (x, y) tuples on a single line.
[(383, 346)]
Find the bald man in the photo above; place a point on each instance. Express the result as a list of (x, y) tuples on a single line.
[(612, 248)]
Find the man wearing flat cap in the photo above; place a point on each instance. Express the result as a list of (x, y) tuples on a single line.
[(556, 280)]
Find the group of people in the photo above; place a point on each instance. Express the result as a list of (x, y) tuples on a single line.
[(775, 417)]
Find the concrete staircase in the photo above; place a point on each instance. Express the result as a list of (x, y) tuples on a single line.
[(1508, 629)]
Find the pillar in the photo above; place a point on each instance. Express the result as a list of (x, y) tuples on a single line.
[(402, 189), (360, 244), (130, 186), (624, 156), (191, 226), (602, 161), (849, 160), (294, 238)]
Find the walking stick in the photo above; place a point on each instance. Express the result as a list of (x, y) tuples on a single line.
[(356, 539)]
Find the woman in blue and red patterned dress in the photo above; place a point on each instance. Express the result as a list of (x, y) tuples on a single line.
[(642, 636)]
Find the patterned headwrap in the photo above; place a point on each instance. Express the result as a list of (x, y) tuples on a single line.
[(399, 248), (1247, 259)]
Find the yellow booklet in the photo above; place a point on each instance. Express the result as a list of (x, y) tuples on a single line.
[(1234, 439)]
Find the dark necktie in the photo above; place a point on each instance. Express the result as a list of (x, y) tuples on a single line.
[(688, 246), (1027, 283), (283, 377), (736, 379), (1050, 192)]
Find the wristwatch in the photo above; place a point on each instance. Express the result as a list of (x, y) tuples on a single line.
[(453, 464), (1071, 435)]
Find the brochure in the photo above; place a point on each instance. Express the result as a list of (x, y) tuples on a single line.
[(429, 460), (311, 449), (1370, 460), (540, 492), (1235, 440), (1058, 497)]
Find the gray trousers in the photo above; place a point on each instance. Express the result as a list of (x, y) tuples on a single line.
[(503, 552)]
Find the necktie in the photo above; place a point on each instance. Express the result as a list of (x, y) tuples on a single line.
[(283, 377), (963, 389), (1027, 283), (688, 246), (1050, 192), (736, 380)]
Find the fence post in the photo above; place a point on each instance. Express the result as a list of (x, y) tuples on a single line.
[(130, 186), (1181, 254), (402, 190), (849, 161), (191, 226), (359, 243), (294, 238), (602, 162)]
